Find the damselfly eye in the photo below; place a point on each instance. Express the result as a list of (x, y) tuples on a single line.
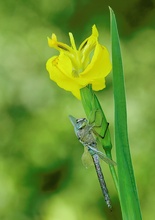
[(81, 123), (80, 120)]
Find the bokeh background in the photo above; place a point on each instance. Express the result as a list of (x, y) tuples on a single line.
[(41, 174)]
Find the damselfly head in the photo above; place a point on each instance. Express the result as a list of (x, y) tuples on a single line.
[(78, 123), (81, 123)]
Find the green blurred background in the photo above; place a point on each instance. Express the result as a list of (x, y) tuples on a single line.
[(41, 174)]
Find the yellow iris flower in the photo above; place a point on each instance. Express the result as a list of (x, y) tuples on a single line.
[(74, 68)]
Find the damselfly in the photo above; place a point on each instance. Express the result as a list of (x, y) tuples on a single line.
[(87, 135)]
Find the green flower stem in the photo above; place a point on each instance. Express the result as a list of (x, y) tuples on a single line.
[(91, 104), (127, 187)]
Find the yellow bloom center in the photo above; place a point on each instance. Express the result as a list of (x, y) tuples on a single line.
[(79, 58)]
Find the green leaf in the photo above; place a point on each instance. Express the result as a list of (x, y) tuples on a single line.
[(126, 181)]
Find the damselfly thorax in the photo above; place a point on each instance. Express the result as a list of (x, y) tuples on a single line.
[(85, 133)]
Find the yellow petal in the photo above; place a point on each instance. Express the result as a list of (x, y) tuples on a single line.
[(59, 70), (72, 41), (61, 64), (52, 42), (98, 84), (90, 41), (100, 65), (76, 93), (94, 31)]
